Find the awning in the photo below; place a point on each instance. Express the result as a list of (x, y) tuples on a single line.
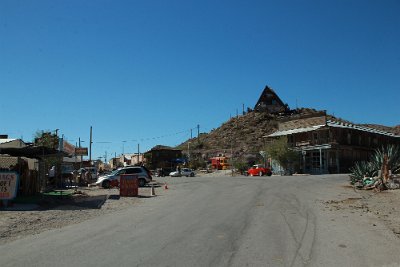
[(36, 152), (295, 131)]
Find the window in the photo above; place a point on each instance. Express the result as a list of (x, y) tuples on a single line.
[(348, 138), (133, 170)]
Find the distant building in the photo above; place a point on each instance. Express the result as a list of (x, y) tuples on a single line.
[(330, 146), (6, 142), (270, 102), (120, 161), (163, 157), (137, 159)]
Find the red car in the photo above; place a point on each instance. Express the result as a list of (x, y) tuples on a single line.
[(259, 170)]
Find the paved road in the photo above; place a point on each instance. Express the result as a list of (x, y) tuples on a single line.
[(220, 221)]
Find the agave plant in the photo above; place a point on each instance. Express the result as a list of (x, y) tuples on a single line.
[(362, 168), (393, 155)]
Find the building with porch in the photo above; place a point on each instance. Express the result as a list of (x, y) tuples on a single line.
[(326, 145)]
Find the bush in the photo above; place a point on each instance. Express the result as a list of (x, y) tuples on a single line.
[(362, 168)]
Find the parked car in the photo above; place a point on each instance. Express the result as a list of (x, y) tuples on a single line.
[(259, 170), (92, 170), (112, 179), (184, 172)]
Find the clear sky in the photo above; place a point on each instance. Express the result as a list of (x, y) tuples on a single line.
[(146, 72)]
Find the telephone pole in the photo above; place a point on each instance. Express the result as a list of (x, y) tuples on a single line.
[(138, 153), (198, 133), (90, 146)]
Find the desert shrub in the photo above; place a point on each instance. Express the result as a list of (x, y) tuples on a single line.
[(393, 154), (362, 168)]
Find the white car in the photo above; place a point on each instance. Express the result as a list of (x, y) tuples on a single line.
[(184, 172)]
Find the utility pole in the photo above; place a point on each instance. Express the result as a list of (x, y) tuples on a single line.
[(138, 153), (81, 154), (232, 156), (188, 153), (198, 133), (191, 133), (90, 146)]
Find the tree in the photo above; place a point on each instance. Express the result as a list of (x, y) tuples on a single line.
[(46, 139), (49, 140), (279, 150)]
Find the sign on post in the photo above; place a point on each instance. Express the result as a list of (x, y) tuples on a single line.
[(129, 185), (81, 151), (8, 185)]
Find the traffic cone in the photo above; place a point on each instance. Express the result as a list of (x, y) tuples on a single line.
[(165, 186), (152, 191)]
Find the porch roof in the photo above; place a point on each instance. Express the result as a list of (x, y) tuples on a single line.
[(294, 131), (334, 124)]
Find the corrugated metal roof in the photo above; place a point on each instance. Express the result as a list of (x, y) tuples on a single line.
[(335, 124), (339, 124), (294, 131), (3, 141)]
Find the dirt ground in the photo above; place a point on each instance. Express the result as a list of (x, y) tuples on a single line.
[(23, 220), (93, 202), (385, 205)]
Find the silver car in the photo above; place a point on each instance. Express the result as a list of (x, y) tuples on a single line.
[(184, 172), (113, 178)]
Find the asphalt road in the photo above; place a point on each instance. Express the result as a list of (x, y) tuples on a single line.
[(221, 221)]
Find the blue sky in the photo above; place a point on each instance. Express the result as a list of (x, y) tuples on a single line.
[(149, 71)]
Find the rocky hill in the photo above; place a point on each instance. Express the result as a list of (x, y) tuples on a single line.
[(243, 135)]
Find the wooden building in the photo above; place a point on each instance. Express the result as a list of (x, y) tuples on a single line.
[(330, 146), (163, 157), (270, 102)]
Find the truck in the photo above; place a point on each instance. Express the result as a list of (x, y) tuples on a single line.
[(220, 163)]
